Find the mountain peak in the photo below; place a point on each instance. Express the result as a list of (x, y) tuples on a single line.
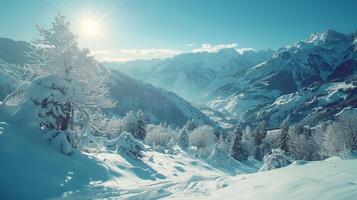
[(229, 51), (330, 36)]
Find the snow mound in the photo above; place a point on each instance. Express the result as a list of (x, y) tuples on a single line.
[(31, 168)]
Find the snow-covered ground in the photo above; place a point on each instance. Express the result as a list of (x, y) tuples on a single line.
[(32, 168), (331, 179)]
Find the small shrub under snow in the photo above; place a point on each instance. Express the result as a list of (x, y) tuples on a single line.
[(275, 160)]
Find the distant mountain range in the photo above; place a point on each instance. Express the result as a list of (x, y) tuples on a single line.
[(191, 75), (310, 79)]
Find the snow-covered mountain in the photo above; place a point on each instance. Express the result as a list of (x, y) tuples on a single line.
[(13, 51), (158, 105), (12, 55), (190, 75), (248, 84), (325, 59)]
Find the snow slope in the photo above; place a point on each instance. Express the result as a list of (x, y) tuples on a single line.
[(33, 168), (331, 179)]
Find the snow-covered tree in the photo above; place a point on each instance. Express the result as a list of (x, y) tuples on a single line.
[(335, 141), (135, 124), (183, 138), (303, 144), (203, 139), (346, 123), (298, 142), (259, 134), (159, 135), (337, 137), (190, 125), (66, 80), (129, 122), (140, 131), (283, 140), (223, 143), (56, 52), (236, 150), (127, 144), (248, 141), (275, 160), (105, 126)]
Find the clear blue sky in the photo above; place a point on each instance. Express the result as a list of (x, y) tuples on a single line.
[(185, 24)]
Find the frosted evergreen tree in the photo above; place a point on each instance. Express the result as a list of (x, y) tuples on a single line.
[(140, 131), (183, 139), (236, 150), (128, 145), (283, 140), (311, 152), (248, 141), (66, 80), (129, 122), (221, 140), (56, 52), (259, 135), (190, 125)]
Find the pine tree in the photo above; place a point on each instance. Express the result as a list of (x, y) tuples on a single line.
[(236, 150), (283, 140), (129, 123), (190, 125), (183, 139), (259, 135), (140, 132)]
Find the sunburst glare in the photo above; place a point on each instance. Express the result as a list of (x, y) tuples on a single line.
[(90, 27)]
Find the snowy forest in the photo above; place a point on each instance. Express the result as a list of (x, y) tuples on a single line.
[(231, 123)]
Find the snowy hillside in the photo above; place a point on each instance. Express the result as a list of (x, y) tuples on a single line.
[(8, 79), (13, 51), (12, 56), (191, 74), (330, 179), (24, 150)]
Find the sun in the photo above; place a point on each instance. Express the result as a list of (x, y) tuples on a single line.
[(90, 27)]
